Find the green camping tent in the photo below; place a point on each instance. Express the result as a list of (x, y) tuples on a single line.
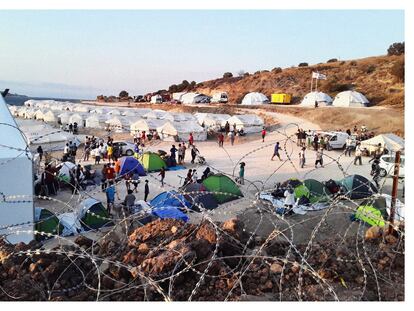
[(46, 221), (370, 215), (318, 192), (222, 183), (93, 214), (152, 162)]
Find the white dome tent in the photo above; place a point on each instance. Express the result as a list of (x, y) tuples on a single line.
[(49, 116), (159, 114), (321, 98), (255, 98), (95, 121), (390, 142), (350, 99), (146, 125), (63, 118), (78, 118), (212, 120), (182, 130), (194, 98), (250, 123)]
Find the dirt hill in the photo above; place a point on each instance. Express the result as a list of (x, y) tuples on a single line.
[(380, 79)]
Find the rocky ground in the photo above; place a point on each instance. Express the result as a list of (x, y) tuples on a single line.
[(170, 260)]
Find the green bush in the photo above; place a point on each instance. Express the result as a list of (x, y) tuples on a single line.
[(277, 70), (227, 75), (303, 65), (332, 60), (397, 48)]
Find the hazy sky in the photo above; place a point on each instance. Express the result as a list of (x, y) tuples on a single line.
[(79, 54)]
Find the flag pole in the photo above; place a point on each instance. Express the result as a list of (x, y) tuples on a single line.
[(311, 81), (316, 88)]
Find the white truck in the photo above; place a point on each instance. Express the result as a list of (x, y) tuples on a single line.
[(221, 97)]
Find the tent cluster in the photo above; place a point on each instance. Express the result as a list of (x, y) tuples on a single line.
[(169, 125), (342, 99), (90, 215), (313, 192), (214, 190)]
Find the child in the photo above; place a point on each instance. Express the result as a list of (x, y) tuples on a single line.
[(162, 174)]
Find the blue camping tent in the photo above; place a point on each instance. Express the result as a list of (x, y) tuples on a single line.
[(170, 212), (171, 199), (130, 165)]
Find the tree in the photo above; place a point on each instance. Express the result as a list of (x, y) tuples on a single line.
[(277, 70), (172, 88), (332, 60), (303, 65), (397, 48), (123, 94), (227, 75)]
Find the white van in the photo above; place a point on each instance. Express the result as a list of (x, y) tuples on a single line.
[(335, 140), (220, 98), (387, 163)]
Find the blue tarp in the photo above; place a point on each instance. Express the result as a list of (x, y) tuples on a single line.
[(131, 165), (170, 198), (170, 212)]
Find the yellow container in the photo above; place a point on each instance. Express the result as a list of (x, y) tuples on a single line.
[(281, 98)]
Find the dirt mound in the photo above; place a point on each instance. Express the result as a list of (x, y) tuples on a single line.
[(171, 260)]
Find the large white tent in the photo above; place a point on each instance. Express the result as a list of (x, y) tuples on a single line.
[(95, 121), (38, 115), (194, 98), (350, 99), (16, 182), (64, 117), (170, 130), (146, 125), (49, 116), (78, 118), (182, 116), (159, 114), (390, 142), (213, 120), (250, 123), (255, 98), (321, 98)]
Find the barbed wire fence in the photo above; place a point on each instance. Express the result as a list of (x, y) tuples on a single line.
[(210, 257)]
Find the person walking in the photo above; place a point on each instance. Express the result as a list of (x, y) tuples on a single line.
[(193, 153), (227, 127), (348, 147), (358, 154), (319, 157), (191, 139), (40, 153), (263, 134), (276, 152), (231, 136), (241, 173), (173, 151), (221, 140), (302, 157), (375, 172), (162, 174), (146, 190), (180, 154), (110, 196)]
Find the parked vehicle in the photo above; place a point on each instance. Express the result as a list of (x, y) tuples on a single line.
[(127, 148), (387, 163), (335, 140)]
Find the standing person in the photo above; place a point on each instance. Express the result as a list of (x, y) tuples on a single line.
[(319, 157), (162, 174), (348, 148), (375, 172), (70, 128), (289, 199), (180, 154), (87, 153), (146, 190), (189, 177), (184, 149), (316, 142), (298, 137), (40, 153), (358, 154), (241, 173), (128, 180), (173, 151), (231, 135), (66, 151), (136, 137), (227, 127), (302, 157), (263, 134), (136, 150), (193, 153), (221, 140), (276, 152), (191, 139), (143, 136), (322, 142), (235, 127), (109, 152), (129, 200), (110, 196), (135, 181), (309, 138)]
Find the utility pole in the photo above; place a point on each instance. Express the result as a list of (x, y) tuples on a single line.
[(394, 191)]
